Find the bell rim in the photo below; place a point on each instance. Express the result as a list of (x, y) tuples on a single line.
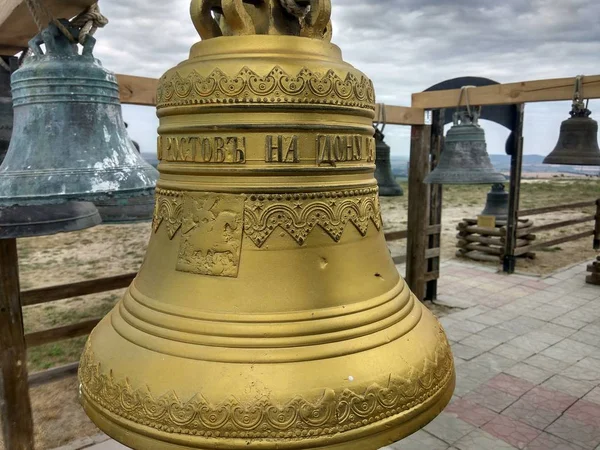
[(391, 429)]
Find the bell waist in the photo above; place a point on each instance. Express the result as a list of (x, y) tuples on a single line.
[(52, 90), (266, 338)]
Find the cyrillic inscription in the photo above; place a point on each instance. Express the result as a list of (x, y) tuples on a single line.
[(332, 149), (281, 149), (224, 150)]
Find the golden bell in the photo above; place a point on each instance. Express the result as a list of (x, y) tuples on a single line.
[(268, 313)]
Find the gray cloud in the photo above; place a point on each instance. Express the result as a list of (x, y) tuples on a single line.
[(405, 46)]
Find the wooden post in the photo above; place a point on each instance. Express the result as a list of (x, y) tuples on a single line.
[(435, 202), (418, 207), (14, 389), (597, 227), (516, 166)]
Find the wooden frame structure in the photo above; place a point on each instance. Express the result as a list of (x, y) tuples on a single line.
[(424, 210)]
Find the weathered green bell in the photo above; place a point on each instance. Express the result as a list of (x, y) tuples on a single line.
[(497, 202), (465, 159), (6, 112), (386, 181), (69, 140), (38, 220)]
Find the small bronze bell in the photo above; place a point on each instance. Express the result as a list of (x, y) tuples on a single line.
[(497, 202), (69, 141), (386, 181), (577, 142), (268, 313), (465, 159)]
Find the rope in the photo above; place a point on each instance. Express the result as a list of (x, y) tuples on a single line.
[(88, 21), (292, 7)]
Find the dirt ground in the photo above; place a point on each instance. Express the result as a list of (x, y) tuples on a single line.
[(112, 250)]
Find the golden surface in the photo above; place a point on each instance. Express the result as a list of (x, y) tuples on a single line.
[(268, 312)]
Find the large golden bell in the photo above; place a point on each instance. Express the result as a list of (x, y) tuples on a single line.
[(268, 313)]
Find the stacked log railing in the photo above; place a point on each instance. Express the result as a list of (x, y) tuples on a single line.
[(489, 244)]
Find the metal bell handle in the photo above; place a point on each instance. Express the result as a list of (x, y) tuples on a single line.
[(57, 43)]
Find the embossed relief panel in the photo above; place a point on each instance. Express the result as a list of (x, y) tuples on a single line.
[(211, 234)]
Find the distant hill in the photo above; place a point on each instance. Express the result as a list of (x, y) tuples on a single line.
[(531, 164)]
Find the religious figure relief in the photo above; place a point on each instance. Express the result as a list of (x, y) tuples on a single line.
[(211, 229)]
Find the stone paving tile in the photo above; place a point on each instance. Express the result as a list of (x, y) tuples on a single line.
[(586, 337), (510, 351), (495, 362), (491, 398), (109, 445), (456, 334), (540, 407), (532, 374), (510, 384), (470, 412), (569, 350), (529, 342), (587, 369), (476, 372), (593, 396), (586, 412), (448, 428), (547, 441), (517, 434), (480, 440), (547, 363), (481, 342), (593, 328), (465, 351), (547, 312), (571, 430), (418, 441), (470, 326), (498, 334), (522, 324), (464, 385), (569, 322), (557, 330), (577, 388)]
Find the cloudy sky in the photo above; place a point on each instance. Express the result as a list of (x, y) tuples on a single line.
[(404, 46)]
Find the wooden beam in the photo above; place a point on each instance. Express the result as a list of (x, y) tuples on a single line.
[(402, 115), (17, 26), (61, 333), (549, 209), (52, 293), (511, 93), (56, 373), (15, 407), (137, 90), (562, 240), (418, 209)]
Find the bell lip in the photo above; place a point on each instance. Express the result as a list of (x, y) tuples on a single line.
[(56, 199), (85, 215), (558, 161), (375, 435)]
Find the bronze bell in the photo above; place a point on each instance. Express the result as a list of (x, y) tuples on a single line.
[(69, 141), (465, 159), (386, 181), (497, 202), (268, 313), (38, 220), (577, 143), (6, 112)]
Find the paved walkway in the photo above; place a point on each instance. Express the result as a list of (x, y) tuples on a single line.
[(527, 352)]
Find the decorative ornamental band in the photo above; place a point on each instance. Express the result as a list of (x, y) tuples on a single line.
[(277, 86), (333, 413), (295, 213)]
